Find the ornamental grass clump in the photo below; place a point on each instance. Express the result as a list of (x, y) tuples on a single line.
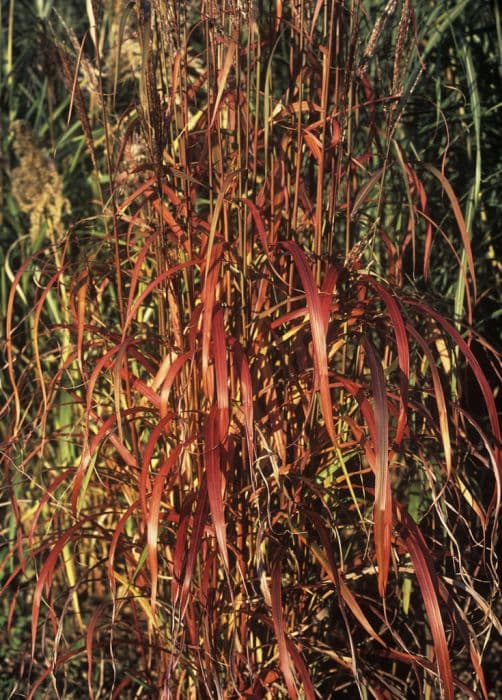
[(237, 449)]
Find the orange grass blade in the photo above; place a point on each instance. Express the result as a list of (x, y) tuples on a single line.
[(222, 77), (440, 399), (466, 240), (86, 453), (9, 337), (461, 620), (36, 323), (136, 271), (60, 661), (144, 187), (120, 373), (82, 287), (47, 495)]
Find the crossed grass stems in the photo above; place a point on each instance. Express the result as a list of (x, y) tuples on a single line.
[(238, 453)]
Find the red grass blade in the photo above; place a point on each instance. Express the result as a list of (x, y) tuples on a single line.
[(383, 497), (181, 545), (167, 382), (114, 543), (144, 479), (318, 334), (153, 285), (486, 390), (327, 561), (270, 676), (246, 395), (221, 373), (83, 285), (403, 351), (199, 523), (152, 522), (44, 579), (209, 301), (428, 583), (326, 295), (15, 289), (222, 77), (89, 642), (278, 620), (260, 226), (212, 458)]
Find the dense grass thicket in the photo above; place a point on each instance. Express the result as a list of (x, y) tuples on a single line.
[(249, 289)]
